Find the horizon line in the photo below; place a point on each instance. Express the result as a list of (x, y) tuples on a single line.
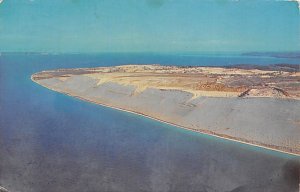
[(97, 52)]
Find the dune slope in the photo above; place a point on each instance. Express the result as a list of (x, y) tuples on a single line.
[(258, 107)]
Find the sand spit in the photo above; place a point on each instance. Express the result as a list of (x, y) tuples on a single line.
[(257, 107)]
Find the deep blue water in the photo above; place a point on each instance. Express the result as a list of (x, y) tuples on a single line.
[(52, 142)]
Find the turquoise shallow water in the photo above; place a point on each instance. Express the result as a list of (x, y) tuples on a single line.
[(52, 142)]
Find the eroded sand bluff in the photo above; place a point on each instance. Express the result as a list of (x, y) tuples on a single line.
[(258, 107)]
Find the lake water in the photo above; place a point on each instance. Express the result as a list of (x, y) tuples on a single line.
[(52, 143)]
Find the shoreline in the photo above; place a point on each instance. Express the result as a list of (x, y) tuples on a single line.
[(204, 132)]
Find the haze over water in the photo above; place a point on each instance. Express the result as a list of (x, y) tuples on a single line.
[(53, 142)]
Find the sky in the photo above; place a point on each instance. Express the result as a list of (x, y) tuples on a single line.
[(149, 25)]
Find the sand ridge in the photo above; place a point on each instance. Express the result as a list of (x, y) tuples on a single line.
[(200, 81), (244, 107)]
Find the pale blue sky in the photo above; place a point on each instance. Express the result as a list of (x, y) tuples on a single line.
[(148, 25)]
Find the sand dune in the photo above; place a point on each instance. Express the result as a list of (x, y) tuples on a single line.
[(258, 107)]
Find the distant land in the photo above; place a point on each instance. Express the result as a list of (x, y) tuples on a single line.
[(274, 67), (295, 55), (255, 106)]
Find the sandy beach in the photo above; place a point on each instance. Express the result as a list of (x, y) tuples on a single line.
[(214, 101)]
